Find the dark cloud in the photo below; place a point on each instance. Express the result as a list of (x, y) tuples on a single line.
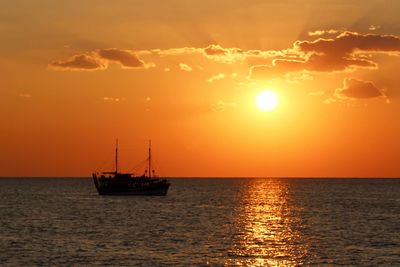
[(345, 52), (331, 63), (99, 59), (79, 62), (324, 63), (349, 42), (124, 57), (358, 89)]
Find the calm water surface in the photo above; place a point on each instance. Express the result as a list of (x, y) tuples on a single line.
[(249, 222)]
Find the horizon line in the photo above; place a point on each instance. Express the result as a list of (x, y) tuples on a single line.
[(211, 177)]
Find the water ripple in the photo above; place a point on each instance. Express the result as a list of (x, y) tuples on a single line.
[(231, 222)]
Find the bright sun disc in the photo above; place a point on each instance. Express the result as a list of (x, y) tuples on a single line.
[(267, 100)]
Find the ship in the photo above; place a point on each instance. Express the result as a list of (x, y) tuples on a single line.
[(129, 184)]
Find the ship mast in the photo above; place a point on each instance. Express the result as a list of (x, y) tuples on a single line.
[(116, 156), (149, 158)]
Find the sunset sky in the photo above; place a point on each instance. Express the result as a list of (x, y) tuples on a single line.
[(76, 75)]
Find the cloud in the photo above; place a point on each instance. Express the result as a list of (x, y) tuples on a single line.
[(216, 52), (297, 77), (126, 58), (323, 32), (216, 77), (178, 51), (346, 52), (290, 70), (348, 42), (224, 55), (323, 63), (99, 59), (25, 95), (79, 62), (264, 72), (113, 99), (185, 67), (221, 105), (341, 51), (374, 27), (358, 89), (278, 68)]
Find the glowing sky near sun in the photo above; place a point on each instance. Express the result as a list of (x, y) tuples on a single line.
[(189, 75)]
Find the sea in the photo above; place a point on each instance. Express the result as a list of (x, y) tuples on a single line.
[(202, 222)]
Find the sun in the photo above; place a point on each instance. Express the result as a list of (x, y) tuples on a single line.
[(267, 100)]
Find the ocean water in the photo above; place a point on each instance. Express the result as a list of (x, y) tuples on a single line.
[(215, 222)]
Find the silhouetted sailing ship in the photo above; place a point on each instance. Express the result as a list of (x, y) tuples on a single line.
[(116, 183)]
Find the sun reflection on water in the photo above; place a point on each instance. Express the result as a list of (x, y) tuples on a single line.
[(267, 227)]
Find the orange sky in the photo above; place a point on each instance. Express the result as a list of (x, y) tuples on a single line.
[(75, 75)]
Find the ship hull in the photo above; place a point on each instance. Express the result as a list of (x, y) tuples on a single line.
[(155, 192), (130, 188)]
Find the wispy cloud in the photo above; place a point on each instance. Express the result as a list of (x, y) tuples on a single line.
[(113, 99), (216, 77), (374, 27), (221, 105), (323, 32), (25, 95), (178, 51), (185, 67)]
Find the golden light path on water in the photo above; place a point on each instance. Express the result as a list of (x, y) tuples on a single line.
[(267, 227)]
